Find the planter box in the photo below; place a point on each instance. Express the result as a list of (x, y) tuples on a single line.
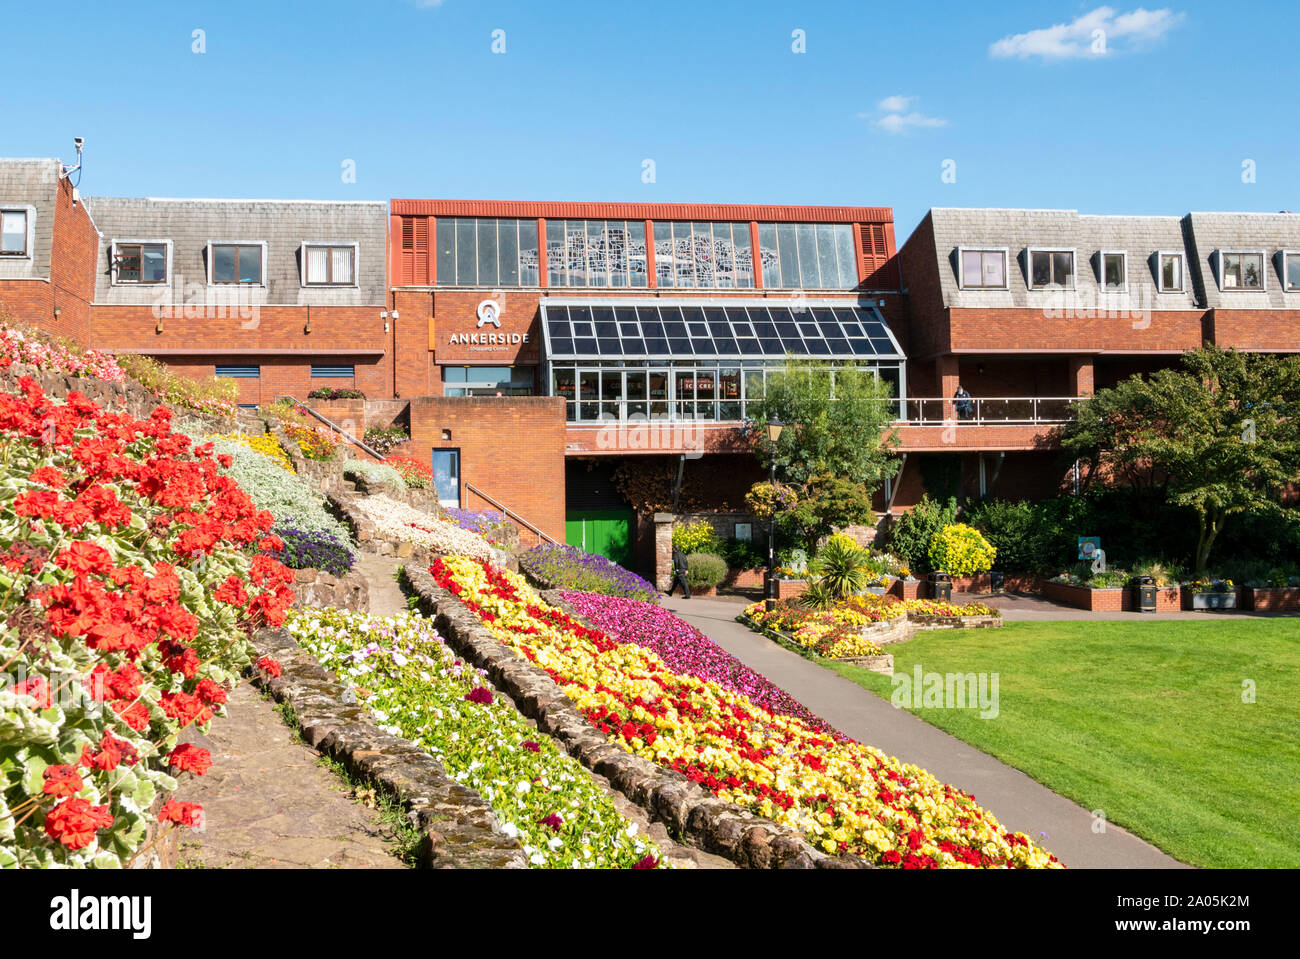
[(745, 578), (1270, 599), (883, 663), (1210, 600), (921, 621), (905, 588), (1120, 599), (788, 588)]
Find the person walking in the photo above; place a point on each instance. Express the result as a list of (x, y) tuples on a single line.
[(679, 573)]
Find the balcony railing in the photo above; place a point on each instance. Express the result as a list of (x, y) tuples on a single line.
[(912, 411)]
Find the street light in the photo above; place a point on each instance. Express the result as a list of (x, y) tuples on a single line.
[(774, 428)]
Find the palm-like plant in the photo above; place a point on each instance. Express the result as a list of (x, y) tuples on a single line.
[(844, 567)]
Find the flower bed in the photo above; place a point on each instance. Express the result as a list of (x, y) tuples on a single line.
[(315, 444), (567, 567), (833, 633), (843, 796), (684, 648), (128, 593), (17, 346), (417, 473), (416, 688), (492, 526), (399, 522), (375, 472), (265, 444)]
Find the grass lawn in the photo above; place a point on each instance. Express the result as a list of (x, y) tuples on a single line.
[(1143, 720)]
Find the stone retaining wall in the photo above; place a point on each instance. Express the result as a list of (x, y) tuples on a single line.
[(315, 588), (459, 827), (685, 807)]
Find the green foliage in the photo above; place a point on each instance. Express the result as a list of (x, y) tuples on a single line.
[(696, 537), (961, 550), (1220, 437), (743, 554), (208, 394), (705, 570), (843, 567), (818, 595), (1164, 574), (829, 503), (910, 536), (837, 428), (1035, 536)]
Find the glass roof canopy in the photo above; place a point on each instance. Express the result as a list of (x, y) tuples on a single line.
[(741, 328)]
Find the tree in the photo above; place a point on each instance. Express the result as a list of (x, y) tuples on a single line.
[(827, 504), (1220, 436), (837, 428)]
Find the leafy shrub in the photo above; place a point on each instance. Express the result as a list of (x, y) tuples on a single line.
[(313, 549), (766, 499), (571, 568), (384, 439), (961, 550), (209, 394), (743, 554), (910, 536), (330, 393), (1163, 573), (1034, 536), (705, 570), (375, 472), (696, 537), (417, 473)]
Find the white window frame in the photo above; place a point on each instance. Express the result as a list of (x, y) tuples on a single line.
[(29, 241), (961, 266), (1263, 271), (1160, 271), (1029, 267), (356, 265), (132, 241), (208, 252), (1286, 283), (1101, 270)]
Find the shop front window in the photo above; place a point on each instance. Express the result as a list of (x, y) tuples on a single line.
[(487, 380)]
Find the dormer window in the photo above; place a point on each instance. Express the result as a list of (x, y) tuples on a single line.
[(1114, 271), (13, 232), (1169, 272), (1051, 268), (141, 262), (982, 269), (236, 263), (329, 264), (1291, 270), (1241, 271)]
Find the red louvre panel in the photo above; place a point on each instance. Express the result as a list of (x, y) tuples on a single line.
[(413, 269)]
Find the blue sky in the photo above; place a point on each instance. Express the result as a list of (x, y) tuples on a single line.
[(712, 92)]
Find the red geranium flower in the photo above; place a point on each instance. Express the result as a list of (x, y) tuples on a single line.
[(74, 822), (62, 781), (182, 813), (269, 665), (193, 758)]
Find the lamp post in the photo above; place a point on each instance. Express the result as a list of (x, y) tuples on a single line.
[(774, 428)]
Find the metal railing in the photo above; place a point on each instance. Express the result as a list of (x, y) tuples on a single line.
[(348, 437), (511, 514), (911, 411)]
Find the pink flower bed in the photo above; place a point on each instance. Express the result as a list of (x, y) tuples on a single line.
[(17, 347), (685, 649)]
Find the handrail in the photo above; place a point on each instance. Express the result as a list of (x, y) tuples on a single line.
[(513, 515), (331, 424)]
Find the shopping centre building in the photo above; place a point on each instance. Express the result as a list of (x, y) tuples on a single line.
[(583, 364)]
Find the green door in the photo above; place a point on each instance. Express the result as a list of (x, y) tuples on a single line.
[(604, 531)]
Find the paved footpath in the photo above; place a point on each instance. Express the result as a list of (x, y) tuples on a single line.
[(1020, 803)]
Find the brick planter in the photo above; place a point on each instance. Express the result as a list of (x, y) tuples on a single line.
[(745, 578), (1119, 599), (1270, 599), (905, 588), (787, 588)]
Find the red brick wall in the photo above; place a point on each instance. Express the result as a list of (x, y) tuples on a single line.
[(512, 448), (1022, 329), (1257, 329)]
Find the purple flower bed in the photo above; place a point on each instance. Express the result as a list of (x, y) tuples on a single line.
[(483, 522), (684, 648), (571, 568)]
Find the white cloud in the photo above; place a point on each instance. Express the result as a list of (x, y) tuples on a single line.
[(1095, 34), (426, 4), (897, 118)]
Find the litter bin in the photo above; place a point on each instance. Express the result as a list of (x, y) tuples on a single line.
[(996, 581), (1145, 588), (941, 587)]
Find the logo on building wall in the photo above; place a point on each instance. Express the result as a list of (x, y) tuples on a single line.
[(489, 311)]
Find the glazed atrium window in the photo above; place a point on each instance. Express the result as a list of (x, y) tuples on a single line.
[(599, 253), (140, 262), (487, 251), (807, 256), (236, 262), (1242, 271), (709, 256), (1051, 268), (699, 361), (983, 269), (487, 380), (13, 233)]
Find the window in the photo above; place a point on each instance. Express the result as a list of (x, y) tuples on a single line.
[(596, 253), (140, 262), (13, 233), (808, 256), (320, 371), (1114, 271), (487, 380), (239, 372), (1170, 272), (983, 269), (236, 262), (1291, 271), (487, 251), (1051, 268), (327, 264), (1241, 271)]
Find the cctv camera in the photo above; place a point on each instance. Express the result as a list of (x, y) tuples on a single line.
[(78, 142)]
